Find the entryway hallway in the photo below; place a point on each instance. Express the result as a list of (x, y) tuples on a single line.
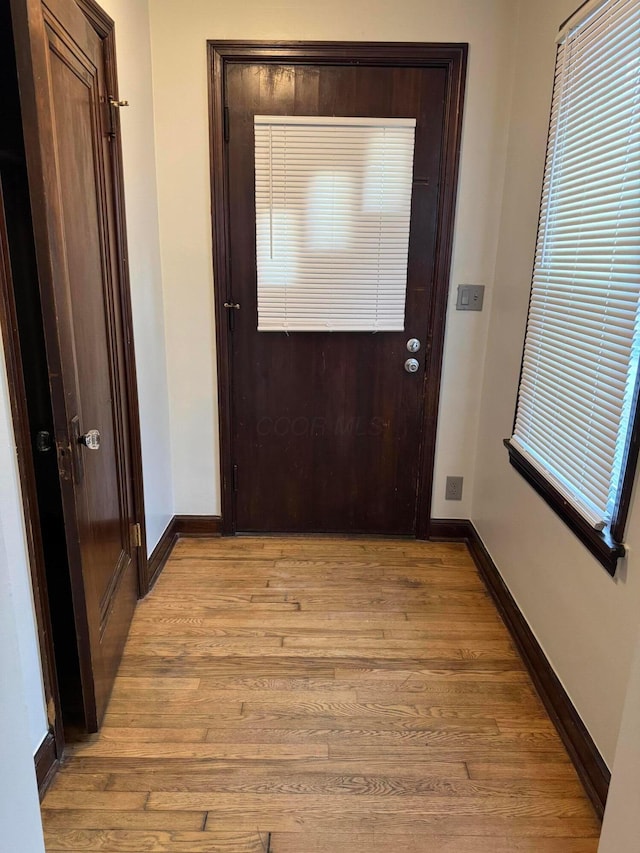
[(320, 695)]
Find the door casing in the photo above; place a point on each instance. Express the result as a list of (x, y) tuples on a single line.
[(451, 57)]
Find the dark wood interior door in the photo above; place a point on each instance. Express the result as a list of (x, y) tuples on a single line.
[(68, 136), (327, 428)]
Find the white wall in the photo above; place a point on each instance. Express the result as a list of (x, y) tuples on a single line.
[(586, 622), (20, 826), (179, 31), (141, 199), (16, 579), (621, 827)]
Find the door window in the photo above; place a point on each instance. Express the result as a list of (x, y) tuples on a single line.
[(333, 210)]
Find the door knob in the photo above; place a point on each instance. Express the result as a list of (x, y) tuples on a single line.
[(412, 365), (91, 439), (44, 442)]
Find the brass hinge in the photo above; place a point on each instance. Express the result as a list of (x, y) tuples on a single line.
[(51, 712), (112, 105), (136, 536)]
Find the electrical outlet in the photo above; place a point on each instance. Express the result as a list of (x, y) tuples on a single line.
[(453, 491)]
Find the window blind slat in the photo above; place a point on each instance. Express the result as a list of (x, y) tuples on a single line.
[(567, 468), (578, 354), (590, 386), (590, 76), (585, 19), (582, 330), (579, 407), (602, 105), (549, 437)]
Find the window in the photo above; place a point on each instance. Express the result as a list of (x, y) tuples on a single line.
[(575, 436), (333, 209)]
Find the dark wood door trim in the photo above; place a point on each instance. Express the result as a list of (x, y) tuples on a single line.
[(453, 58)]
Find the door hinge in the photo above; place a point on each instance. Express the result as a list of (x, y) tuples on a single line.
[(231, 308), (225, 121), (112, 105), (234, 478), (110, 119), (136, 535), (51, 712)]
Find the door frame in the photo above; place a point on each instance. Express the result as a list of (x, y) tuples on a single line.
[(51, 751), (451, 57)]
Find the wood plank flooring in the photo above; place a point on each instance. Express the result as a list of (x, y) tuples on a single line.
[(298, 695)]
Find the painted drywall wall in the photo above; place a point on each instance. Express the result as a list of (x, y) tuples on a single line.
[(20, 825), (14, 569), (141, 202), (621, 826), (179, 30), (586, 622)]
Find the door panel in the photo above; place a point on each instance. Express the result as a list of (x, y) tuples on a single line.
[(66, 107), (327, 427), (76, 102)]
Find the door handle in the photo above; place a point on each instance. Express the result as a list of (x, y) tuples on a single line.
[(412, 365), (44, 442), (91, 439)]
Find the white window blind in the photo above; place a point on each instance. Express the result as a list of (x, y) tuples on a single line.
[(580, 369), (333, 209)]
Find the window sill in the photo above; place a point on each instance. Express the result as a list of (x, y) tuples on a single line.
[(599, 543)]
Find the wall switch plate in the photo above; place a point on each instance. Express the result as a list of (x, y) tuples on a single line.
[(470, 297), (453, 491)]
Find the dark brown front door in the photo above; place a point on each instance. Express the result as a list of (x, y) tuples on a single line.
[(68, 137), (327, 429)]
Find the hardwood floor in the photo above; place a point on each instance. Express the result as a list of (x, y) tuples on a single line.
[(320, 696)]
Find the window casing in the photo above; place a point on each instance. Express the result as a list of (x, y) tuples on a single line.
[(576, 428)]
